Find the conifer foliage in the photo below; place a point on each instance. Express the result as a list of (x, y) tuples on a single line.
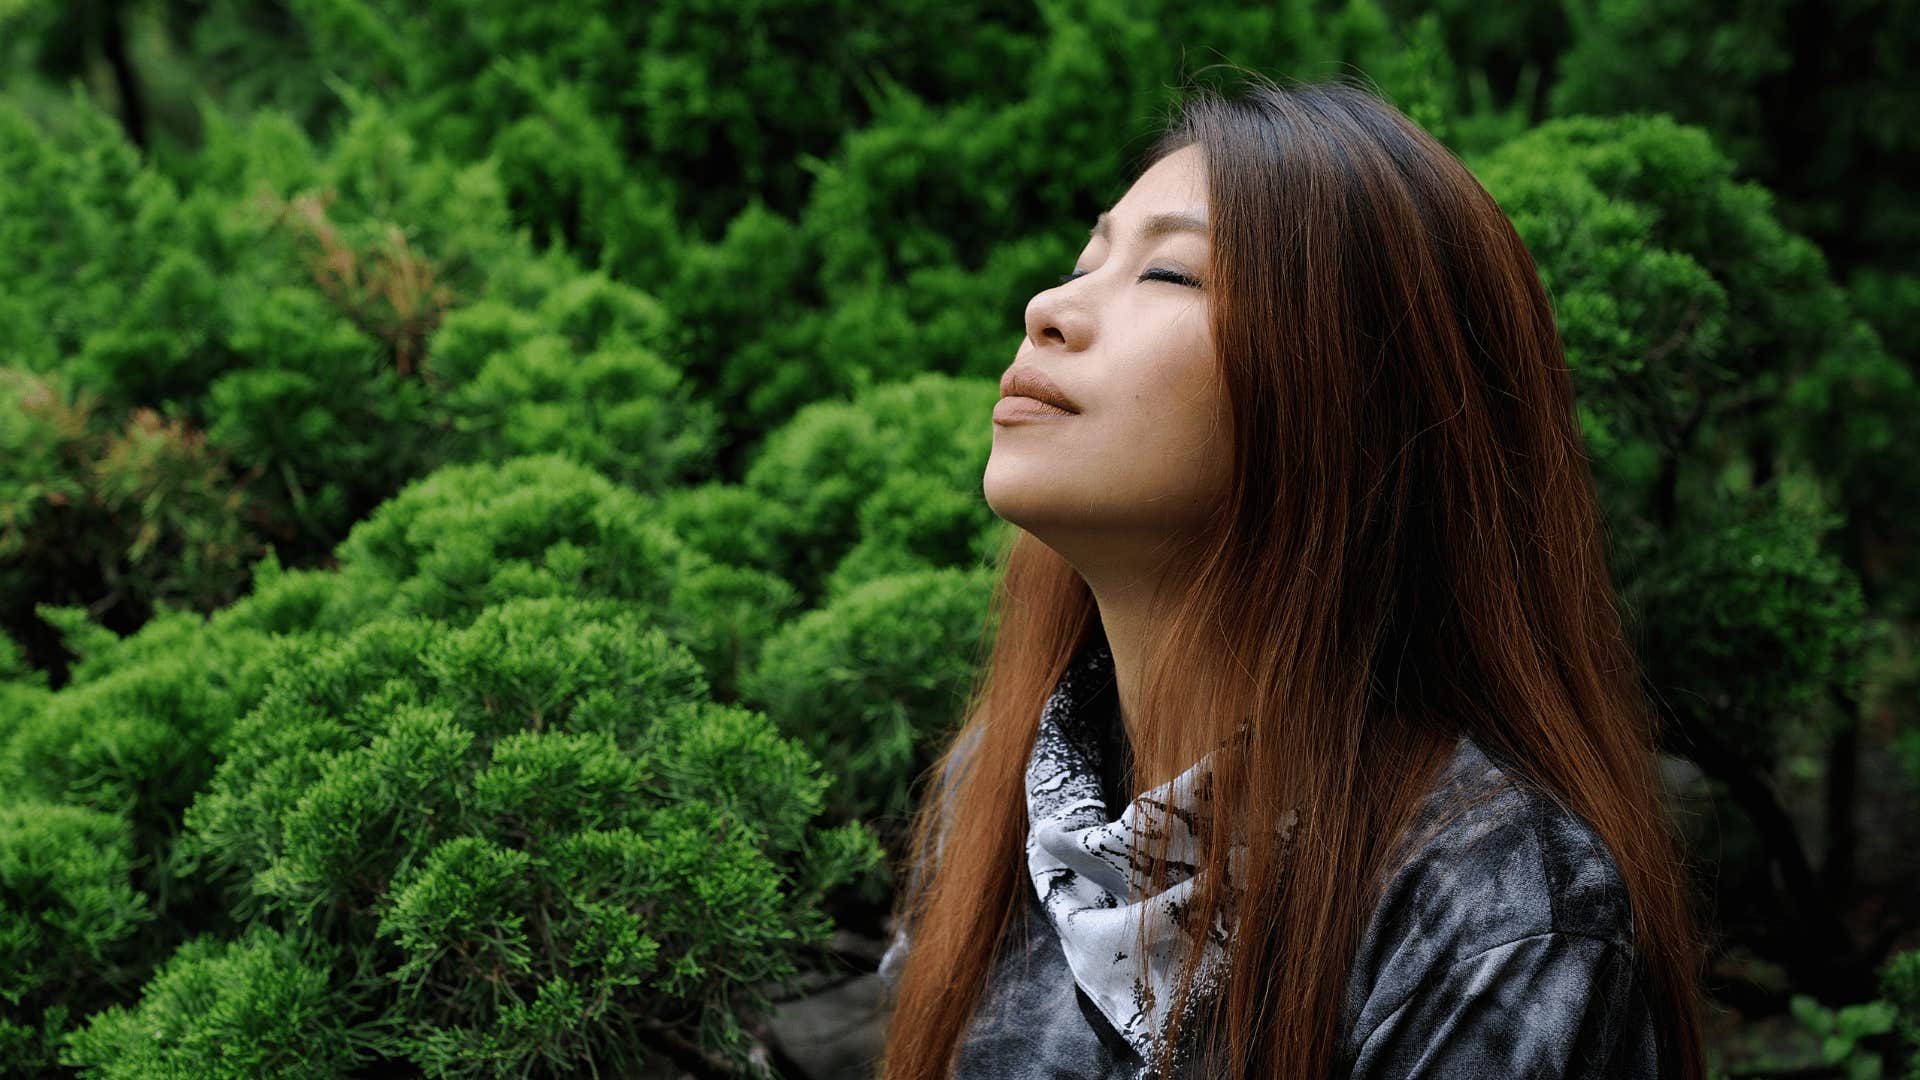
[(491, 533)]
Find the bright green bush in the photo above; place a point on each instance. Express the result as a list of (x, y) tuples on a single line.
[(286, 314), (473, 535), (1673, 283), (461, 342), (873, 681), (23, 690), (541, 807), (69, 197), (728, 613), (500, 694), (614, 409), (916, 521), (265, 1005), (1689, 312), (924, 439), (1751, 612), (578, 375), (68, 912), (137, 730), (732, 524)]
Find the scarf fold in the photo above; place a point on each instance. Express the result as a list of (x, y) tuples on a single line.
[(1084, 866)]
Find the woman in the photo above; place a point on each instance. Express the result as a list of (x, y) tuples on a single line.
[(1309, 744)]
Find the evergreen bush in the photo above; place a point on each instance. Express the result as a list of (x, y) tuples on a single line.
[(68, 916), (872, 681), (531, 841), (926, 437), (477, 458)]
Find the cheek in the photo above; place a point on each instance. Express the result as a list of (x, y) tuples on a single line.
[(1180, 363), (1179, 396), (1172, 433)]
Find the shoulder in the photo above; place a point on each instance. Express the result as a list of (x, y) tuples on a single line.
[(1514, 861), (1514, 870)]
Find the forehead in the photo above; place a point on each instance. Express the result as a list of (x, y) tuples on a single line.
[(1169, 197)]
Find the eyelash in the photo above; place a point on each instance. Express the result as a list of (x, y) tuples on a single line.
[(1172, 276)]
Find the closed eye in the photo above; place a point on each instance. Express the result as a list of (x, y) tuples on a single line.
[(1173, 277)]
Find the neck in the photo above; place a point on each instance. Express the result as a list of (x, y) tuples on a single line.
[(1132, 575), (1129, 614)]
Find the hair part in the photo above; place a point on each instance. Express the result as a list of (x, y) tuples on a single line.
[(1411, 549)]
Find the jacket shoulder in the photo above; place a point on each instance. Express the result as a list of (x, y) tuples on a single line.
[(1489, 862)]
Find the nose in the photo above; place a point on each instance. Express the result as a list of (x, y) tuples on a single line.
[(1056, 316)]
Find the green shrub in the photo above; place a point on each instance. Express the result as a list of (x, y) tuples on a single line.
[(23, 690), (540, 809), (284, 319), (732, 524), (472, 535), (1708, 343), (148, 503), (1689, 311), (834, 458), (618, 408), (265, 1005), (873, 681), (68, 912), (138, 729), (73, 197), (1900, 985), (914, 521), (1767, 82), (585, 373), (146, 719), (726, 616), (1754, 614)]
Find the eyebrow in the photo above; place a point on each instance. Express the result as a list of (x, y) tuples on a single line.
[(1156, 225)]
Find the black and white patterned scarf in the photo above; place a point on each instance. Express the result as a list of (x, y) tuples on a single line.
[(1086, 872)]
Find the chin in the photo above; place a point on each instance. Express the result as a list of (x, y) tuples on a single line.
[(1036, 508), (1012, 493)]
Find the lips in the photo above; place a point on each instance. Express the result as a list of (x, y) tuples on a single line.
[(1027, 381), (1015, 407)]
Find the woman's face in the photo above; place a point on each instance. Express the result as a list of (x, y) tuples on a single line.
[(1128, 342)]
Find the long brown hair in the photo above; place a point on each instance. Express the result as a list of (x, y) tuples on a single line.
[(1411, 550)]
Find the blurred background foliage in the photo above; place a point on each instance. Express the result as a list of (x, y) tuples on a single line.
[(490, 527)]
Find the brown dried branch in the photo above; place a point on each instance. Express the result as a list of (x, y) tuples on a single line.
[(390, 293)]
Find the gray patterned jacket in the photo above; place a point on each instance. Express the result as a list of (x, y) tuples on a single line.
[(1504, 948)]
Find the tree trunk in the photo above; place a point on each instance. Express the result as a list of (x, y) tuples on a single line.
[(113, 44), (1843, 773), (1820, 956)]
